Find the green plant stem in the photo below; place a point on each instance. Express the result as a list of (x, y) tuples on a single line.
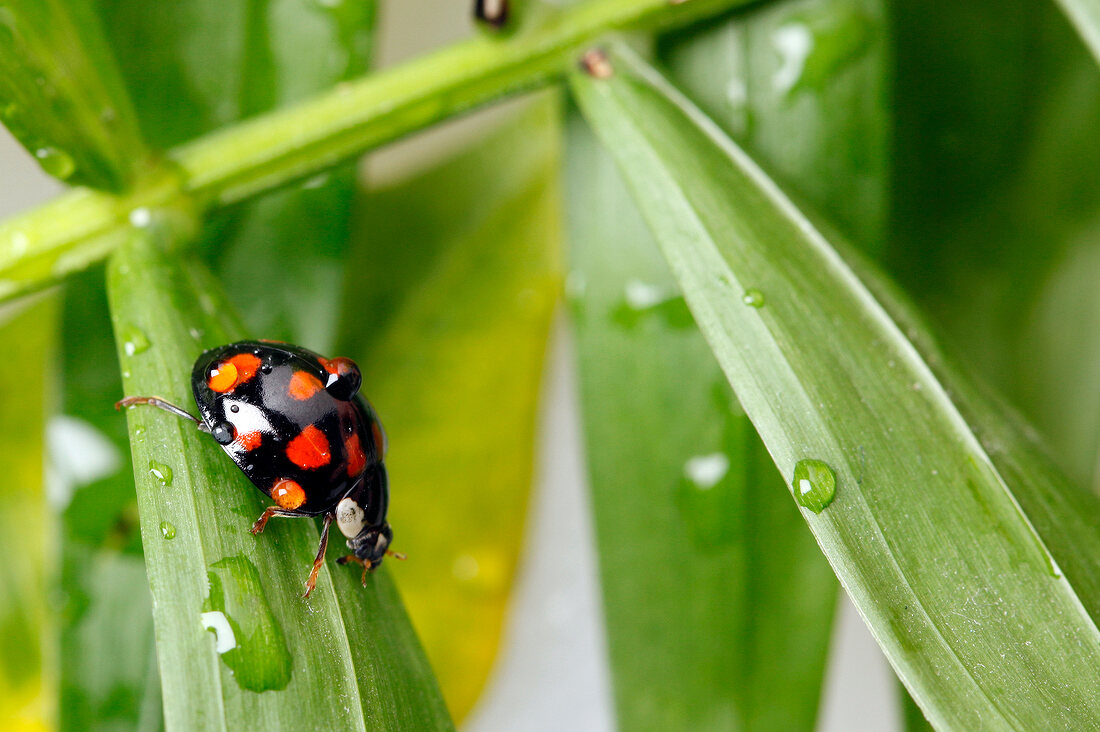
[(265, 152)]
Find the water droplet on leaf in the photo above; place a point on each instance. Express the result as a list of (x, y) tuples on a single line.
[(57, 163), (753, 298), (161, 472), (250, 640), (167, 530), (814, 484), (134, 341)]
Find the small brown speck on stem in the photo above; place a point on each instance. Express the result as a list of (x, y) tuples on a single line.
[(596, 64)]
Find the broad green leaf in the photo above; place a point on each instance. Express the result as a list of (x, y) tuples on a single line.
[(451, 286), (803, 86), (717, 601), (61, 95), (985, 627), (27, 677), (1004, 266), (344, 659)]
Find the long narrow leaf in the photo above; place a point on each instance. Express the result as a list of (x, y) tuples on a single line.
[(344, 659), (982, 624), (731, 606)]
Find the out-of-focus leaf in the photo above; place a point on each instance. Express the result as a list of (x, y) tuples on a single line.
[(109, 678), (986, 612), (61, 95), (717, 599), (27, 678), (451, 287), (175, 57), (1007, 162), (344, 659), (802, 85)]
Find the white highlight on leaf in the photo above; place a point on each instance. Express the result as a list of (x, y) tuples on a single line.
[(794, 43), (805, 486), (706, 470), (642, 295), (79, 454), (224, 640)]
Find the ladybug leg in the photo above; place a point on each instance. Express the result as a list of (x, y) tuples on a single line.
[(356, 560), (261, 522), (159, 403), (320, 558)]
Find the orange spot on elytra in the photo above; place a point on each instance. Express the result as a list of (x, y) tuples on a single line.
[(250, 440), (379, 436), (310, 449), (356, 459), (288, 495), (223, 377), (303, 385), (233, 371)]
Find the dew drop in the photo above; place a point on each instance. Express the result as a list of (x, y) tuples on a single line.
[(57, 163), (167, 530), (161, 472), (141, 217), (753, 298), (248, 638), (794, 42), (814, 484), (134, 341)]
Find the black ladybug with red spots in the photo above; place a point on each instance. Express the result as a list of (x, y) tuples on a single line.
[(295, 423)]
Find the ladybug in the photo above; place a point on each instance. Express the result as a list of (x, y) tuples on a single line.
[(295, 424)]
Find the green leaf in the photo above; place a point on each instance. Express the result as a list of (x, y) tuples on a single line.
[(985, 627), (451, 286), (1085, 16), (1004, 266), (27, 679), (176, 62), (803, 86), (717, 601), (109, 677), (292, 657), (61, 95)]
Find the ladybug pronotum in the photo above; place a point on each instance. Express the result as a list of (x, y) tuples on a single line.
[(295, 424)]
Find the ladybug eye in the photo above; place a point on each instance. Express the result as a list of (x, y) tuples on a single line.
[(223, 433)]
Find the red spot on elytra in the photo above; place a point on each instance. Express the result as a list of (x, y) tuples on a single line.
[(250, 440), (303, 385), (356, 459), (310, 449)]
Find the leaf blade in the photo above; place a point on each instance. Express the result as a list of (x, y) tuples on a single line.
[(346, 642), (813, 373)]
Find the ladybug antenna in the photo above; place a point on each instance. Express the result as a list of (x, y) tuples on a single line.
[(159, 403), (396, 555)]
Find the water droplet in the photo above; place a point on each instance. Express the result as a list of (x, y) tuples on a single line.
[(134, 341), (57, 163), (161, 472), (753, 298), (167, 530), (814, 484), (248, 638)]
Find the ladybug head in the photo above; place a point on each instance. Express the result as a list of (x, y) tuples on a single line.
[(372, 544)]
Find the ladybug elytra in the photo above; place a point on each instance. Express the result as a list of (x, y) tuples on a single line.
[(295, 424)]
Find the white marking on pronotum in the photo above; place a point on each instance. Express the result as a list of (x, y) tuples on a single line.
[(349, 517), (224, 640), (706, 470)]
